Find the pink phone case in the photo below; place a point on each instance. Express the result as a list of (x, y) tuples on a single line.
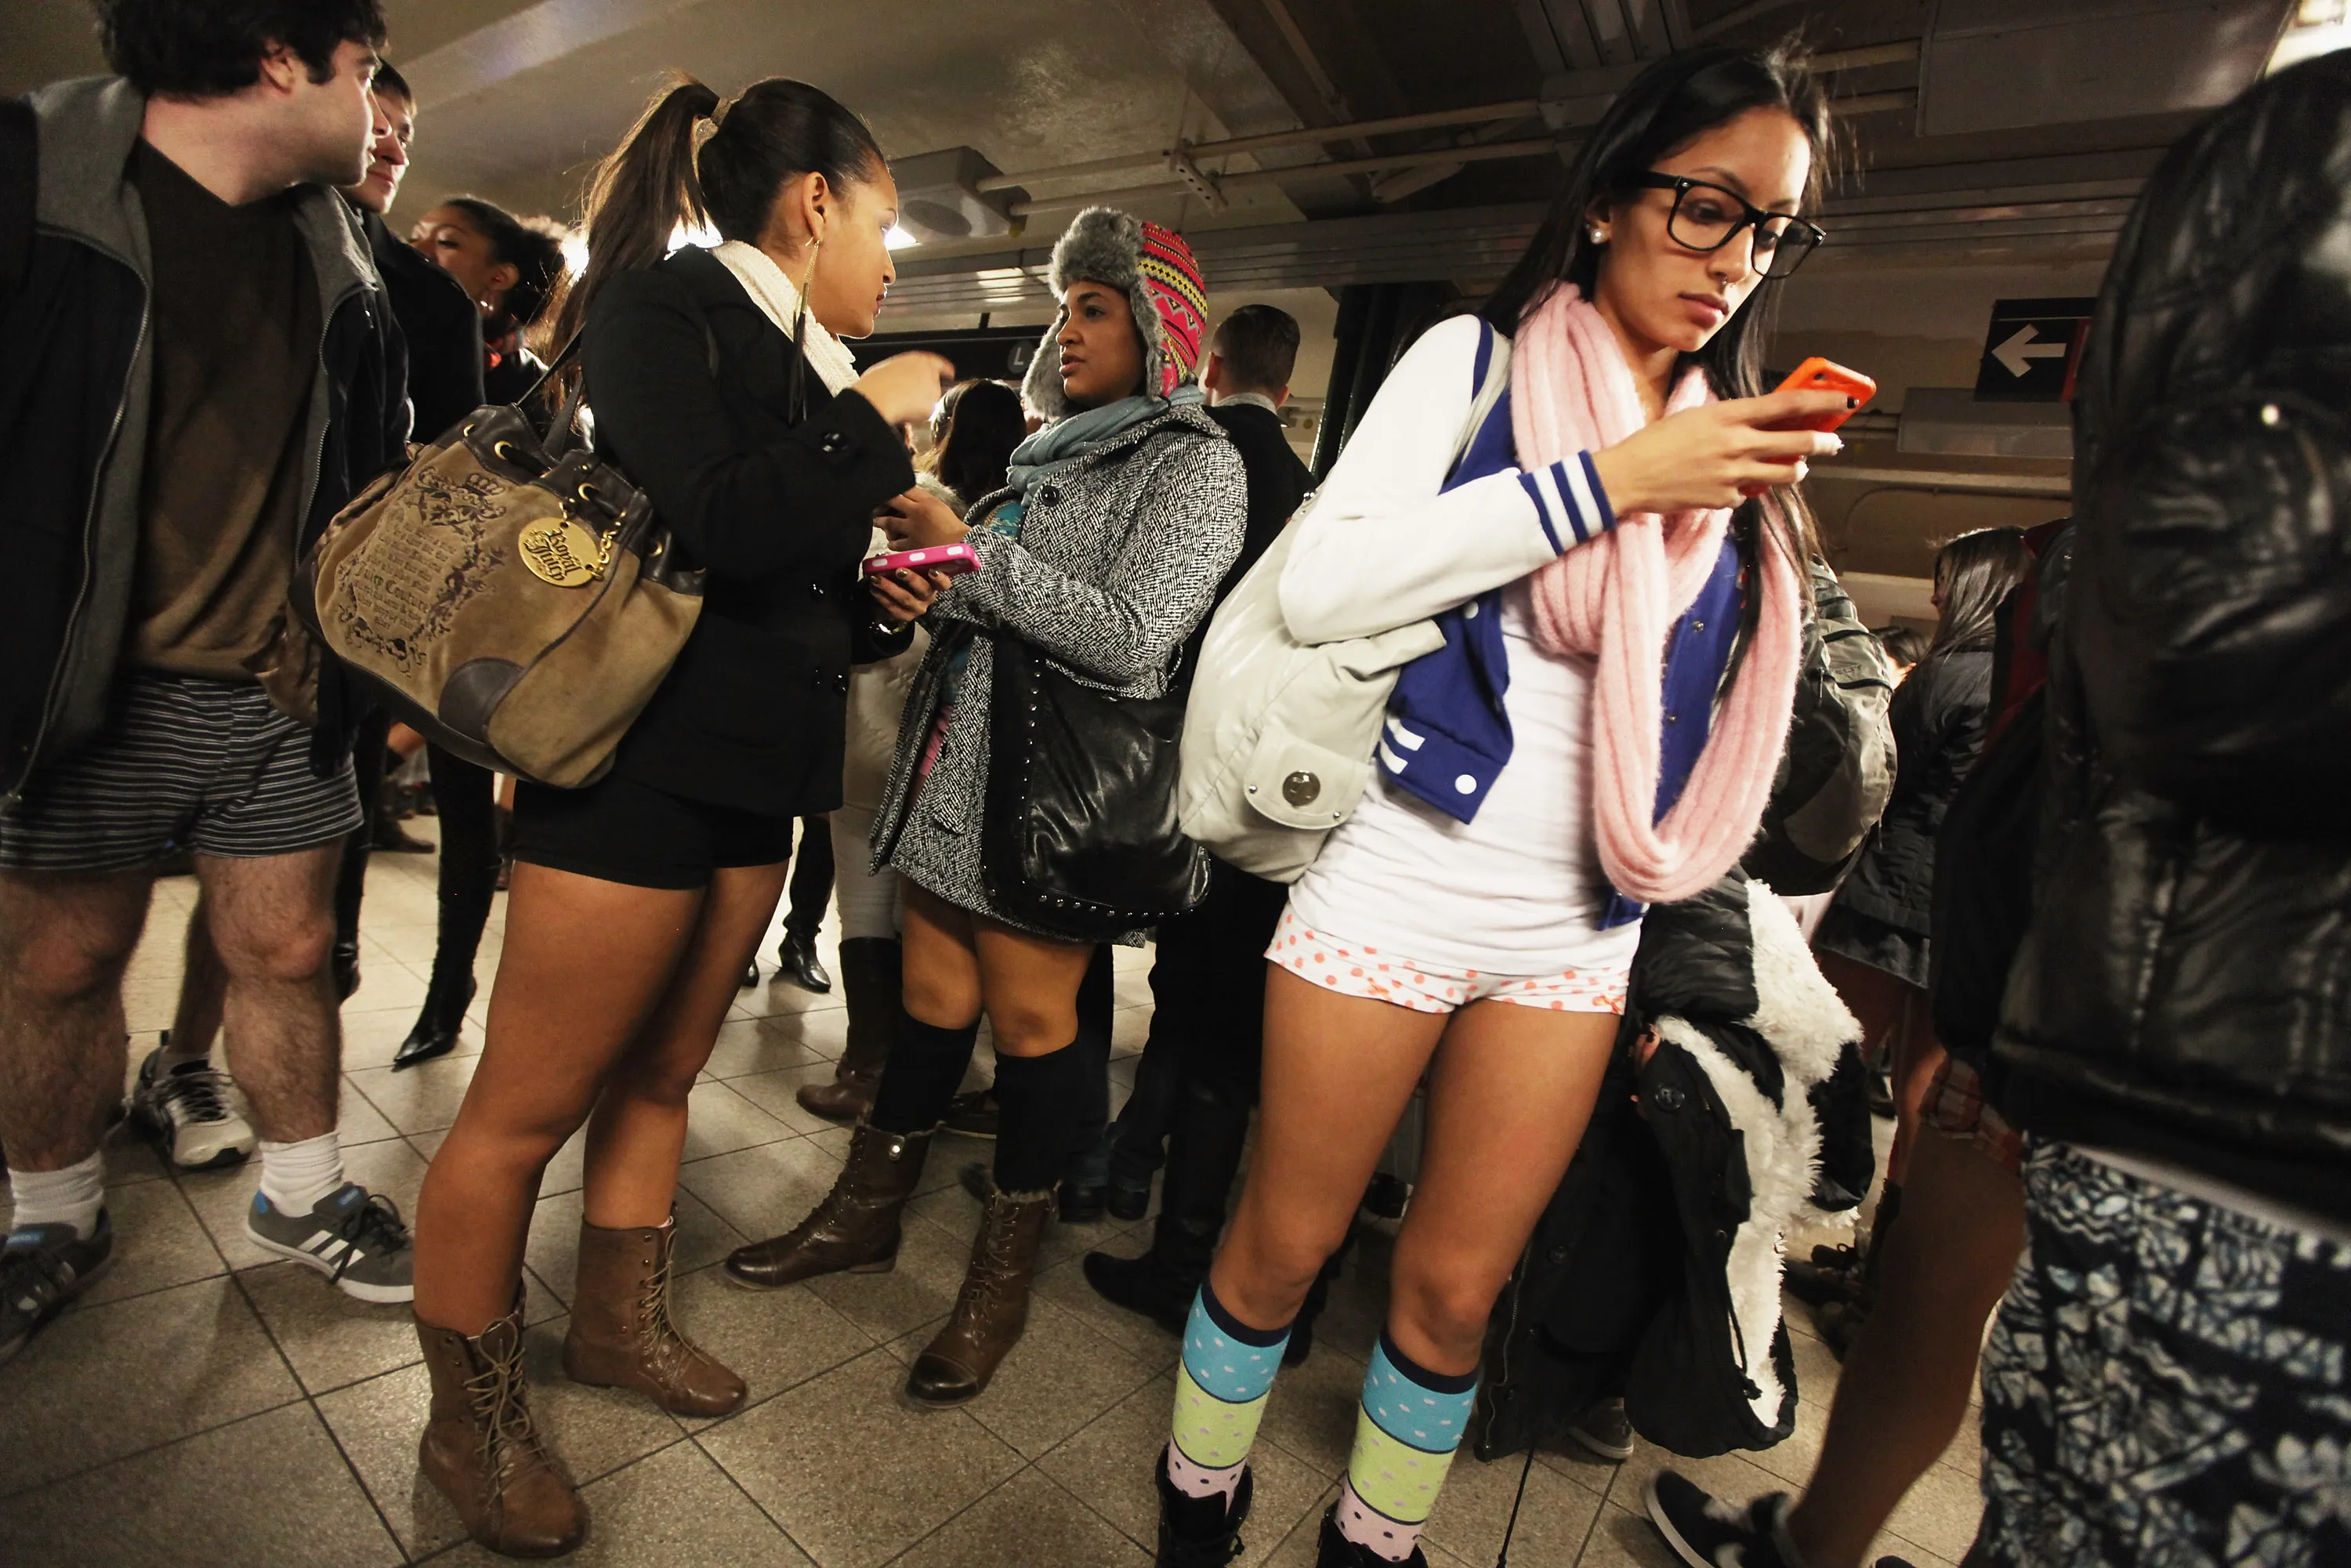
[(954, 560)]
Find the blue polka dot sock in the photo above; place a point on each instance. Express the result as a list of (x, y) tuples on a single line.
[(1220, 1393), (1410, 1423)]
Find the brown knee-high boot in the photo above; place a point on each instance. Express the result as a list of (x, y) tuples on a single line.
[(855, 1229), (622, 1336), (993, 1309), (483, 1451), (871, 978)]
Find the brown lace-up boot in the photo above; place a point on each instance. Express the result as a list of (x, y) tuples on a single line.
[(992, 1311), (483, 1451), (855, 1229), (871, 974), (622, 1336)]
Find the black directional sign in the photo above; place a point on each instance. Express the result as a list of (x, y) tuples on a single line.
[(2033, 349)]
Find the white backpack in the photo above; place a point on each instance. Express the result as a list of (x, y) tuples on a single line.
[(1279, 734)]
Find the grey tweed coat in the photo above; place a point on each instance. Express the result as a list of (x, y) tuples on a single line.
[(1118, 559)]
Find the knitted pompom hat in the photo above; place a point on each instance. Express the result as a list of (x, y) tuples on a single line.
[(1163, 286)]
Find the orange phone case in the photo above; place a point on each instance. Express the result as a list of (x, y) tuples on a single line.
[(1817, 374)]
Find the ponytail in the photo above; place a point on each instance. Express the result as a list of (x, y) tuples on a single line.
[(639, 196), (776, 131)]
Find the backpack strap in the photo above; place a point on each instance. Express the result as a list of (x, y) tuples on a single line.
[(20, 189)]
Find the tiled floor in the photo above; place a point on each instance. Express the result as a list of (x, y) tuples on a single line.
[(205, 1404)]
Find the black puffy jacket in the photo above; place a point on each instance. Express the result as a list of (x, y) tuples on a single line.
[(2185, 991), (1938, 717)]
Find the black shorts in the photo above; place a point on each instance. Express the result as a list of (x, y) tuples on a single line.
[(622, 831)]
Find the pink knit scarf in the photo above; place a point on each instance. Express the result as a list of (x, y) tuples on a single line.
[(1572, 392)]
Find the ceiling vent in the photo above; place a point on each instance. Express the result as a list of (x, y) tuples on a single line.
[(939, 196), (1998, 64)]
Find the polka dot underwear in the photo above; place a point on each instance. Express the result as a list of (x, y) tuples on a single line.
[(1352, 970)]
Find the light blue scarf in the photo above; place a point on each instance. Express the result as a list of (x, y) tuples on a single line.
[(1066, 441)]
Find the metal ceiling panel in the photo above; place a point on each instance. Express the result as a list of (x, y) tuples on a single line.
[(1997, 65)]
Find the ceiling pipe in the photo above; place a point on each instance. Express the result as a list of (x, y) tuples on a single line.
[(1437, 120)]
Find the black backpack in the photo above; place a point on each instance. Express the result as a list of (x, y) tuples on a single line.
[(1983, 884)]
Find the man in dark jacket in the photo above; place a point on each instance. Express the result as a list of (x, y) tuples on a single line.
[(2166, 1376), (195, 382), (1198, 1079)]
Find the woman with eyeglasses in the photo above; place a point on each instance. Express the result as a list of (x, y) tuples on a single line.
[(1618, 566)]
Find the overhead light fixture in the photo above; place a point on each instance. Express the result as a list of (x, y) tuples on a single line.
[(2319, 27), (897, 238), (939, 197)]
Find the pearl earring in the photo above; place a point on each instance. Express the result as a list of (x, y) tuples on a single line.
[(1599, 235)]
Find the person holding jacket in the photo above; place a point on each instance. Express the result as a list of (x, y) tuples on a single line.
[(977, 427), (201, 370), (720, 385), (2167, 1369), (1592, 561), (1118, 520)]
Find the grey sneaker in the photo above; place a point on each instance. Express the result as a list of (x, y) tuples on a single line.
[(354, 1238), (43, 1267), (192, 1113), (1605, 1431)]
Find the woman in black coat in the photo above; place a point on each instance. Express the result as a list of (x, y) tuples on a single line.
[(1872, 944), (718, 387)]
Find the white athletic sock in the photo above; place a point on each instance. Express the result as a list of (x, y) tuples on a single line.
[(296, 1177), (70, 1196)]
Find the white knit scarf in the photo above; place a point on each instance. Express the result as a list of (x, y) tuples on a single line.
[(773, 292)]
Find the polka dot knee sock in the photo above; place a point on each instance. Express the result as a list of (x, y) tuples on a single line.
[(1410, 1423), (1220, 1393)]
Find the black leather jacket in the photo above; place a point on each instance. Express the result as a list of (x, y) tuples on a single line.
[(2185, 990)]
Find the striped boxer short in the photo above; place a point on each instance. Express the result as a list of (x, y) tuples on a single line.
[(185, 762)]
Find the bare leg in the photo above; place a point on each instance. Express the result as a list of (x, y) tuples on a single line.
[(1031, 984), (942, 961), (1513, 1090), (204, 988), (1906, 1381), (272, 921), (638, 1132), (1917, 1055), (585, 962), (1322, 1051), (64, 941)]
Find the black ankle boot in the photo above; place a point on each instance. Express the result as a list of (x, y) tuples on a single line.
[(435, 1033), (1333, 1550), (1204, 1155), (1200, 1531)]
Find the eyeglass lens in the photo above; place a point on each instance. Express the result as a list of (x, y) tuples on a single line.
[(1705, 219)]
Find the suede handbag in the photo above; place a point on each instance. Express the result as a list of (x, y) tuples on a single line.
[(507, 593), (1081, 838)]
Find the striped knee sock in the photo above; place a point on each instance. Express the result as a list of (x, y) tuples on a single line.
[(1221, 1392), (1410, 1423)]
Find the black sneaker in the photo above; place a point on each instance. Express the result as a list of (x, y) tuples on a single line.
[(354, 1238), (43, 1267), (191, 1112), (1605, 1431), (1200, 1531), (1706, 1533), (972, 1115)]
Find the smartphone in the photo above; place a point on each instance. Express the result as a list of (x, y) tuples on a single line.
[(1817, 374), (953, 560)]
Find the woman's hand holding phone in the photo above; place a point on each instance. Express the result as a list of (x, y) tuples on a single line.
[(1715, 454), (906, 595), (918, 520)]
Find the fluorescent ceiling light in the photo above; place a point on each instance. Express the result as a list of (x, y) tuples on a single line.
[(2319, 27), (897, 238)]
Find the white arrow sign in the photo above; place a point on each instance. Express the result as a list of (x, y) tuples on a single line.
[(2019, 352)]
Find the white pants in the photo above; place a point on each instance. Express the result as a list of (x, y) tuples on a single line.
[(868, 902)]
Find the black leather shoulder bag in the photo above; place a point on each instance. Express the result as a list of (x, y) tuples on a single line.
[(1081, 838)]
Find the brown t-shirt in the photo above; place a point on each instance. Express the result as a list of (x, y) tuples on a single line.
[(235, 339)]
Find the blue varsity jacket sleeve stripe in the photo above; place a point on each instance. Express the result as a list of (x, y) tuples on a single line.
[(1570, 502)]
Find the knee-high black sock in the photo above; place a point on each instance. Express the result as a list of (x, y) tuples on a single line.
[(926, 1067), (1044, 1099)]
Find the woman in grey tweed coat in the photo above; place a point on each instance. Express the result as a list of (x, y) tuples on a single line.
[(1103, 554)]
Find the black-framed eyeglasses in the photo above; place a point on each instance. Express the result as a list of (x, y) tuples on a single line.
[(1705, 217)]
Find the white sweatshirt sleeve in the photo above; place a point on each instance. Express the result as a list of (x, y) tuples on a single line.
[(1381, 548)]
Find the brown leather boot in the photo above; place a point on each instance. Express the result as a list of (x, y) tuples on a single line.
[(622, 1336), (855, 1229), (871, 973), (992, 1311), (482, 1450)]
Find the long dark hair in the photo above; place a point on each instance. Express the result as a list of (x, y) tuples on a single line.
[(981, 423), (1678, 99), (1975, 571), (532, 247), (654, 181)]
